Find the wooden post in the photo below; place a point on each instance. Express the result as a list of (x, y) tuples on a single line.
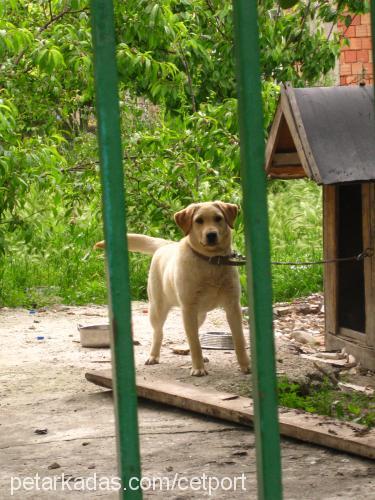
[(330, 252)]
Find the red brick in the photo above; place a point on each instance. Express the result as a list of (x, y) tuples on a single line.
[(357, 69), (345, 69), (356, 43), (342, 80), (356, 20), (365, 18), (362, 30), (351, 56), (351, 80), (362, 56), (368, 69), (366, 42), (350, 32)]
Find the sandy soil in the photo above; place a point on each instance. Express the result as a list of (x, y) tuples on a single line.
[(43, 387)]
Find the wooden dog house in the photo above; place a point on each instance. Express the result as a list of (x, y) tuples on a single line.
[(328, 135)]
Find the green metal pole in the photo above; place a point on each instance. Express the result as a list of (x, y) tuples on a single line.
[(258, 249), (373, 39), (112, 177)]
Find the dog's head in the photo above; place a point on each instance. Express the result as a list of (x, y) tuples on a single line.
[(208, 225)]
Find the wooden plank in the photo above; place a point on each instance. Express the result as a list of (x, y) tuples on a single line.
[(342, 363), (285, 141), (352, 335), (363, 354), (330, 270), (368, 208), (272, 138), (285, 159), (344, 436), (286, 166), (287, 173), (295, 133), (310, 160)]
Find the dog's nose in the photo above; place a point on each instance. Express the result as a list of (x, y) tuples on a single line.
[(211, 238)]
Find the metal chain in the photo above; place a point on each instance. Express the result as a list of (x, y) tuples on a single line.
[(366, 253), (239, 260)]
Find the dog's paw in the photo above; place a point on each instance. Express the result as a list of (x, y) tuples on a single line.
[(152, 360), (245, 369), (198, 372)]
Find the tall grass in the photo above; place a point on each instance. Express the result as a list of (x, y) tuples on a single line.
[(295, 215), (60, 266)]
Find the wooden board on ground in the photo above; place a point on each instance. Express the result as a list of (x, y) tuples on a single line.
[(317, 429)]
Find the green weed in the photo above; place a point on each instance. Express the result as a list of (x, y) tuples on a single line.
[(326, 399)]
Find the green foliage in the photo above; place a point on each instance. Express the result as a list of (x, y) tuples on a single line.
[(328, 400), (177, 55)]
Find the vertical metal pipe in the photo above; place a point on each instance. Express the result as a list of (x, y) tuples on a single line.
[(112, 178), (373, 39), (257, 246)]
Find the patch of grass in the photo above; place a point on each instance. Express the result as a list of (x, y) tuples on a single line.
[(34, 282), (326, 399), (295, 218), (296, 235), (59, 265), (63, 269)]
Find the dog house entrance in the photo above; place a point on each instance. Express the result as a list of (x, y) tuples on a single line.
[(351, 282)]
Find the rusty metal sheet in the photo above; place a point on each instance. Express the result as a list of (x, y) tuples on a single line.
[(340, 128)]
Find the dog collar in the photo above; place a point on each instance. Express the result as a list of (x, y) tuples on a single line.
[(234, 259)]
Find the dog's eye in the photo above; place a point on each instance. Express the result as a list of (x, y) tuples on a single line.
[(199, 220), (218, 218)]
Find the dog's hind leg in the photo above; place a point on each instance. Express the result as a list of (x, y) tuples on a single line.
[(158, 315)]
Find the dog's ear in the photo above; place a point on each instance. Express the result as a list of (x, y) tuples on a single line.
[(99, 244), (184, 218), (229, 210)]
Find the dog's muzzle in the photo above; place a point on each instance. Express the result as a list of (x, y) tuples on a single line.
[(211, 238)]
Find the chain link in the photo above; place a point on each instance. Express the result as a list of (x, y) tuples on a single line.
[(240, 260), (361, 256)]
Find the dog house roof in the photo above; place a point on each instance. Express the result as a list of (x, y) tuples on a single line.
[(325, 133)]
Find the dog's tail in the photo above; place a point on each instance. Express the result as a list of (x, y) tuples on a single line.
[(141, 243)]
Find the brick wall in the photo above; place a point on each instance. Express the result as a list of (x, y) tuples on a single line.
[(356, 60)]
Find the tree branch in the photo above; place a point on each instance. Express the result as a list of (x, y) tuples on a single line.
[(19, 221), (59, 16), (219, 24), (186, 66)]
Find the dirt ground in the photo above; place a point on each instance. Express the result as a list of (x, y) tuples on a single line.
[(54, 424)]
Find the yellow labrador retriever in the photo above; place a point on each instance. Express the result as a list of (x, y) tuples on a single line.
[(188, 274)]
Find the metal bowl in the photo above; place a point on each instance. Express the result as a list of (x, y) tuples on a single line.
[(217, 340), (94, 335)]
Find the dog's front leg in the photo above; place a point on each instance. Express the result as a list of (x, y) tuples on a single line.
[(234, 318), (190, 319)]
